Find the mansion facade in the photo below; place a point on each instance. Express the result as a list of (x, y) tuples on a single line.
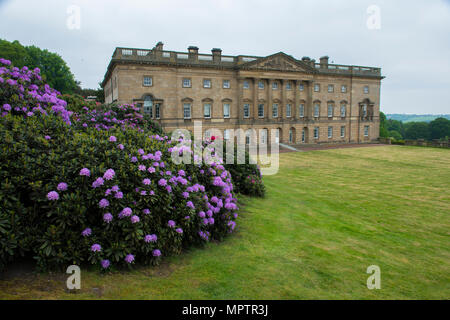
[(303, 100)]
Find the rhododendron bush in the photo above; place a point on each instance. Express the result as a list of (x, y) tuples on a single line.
[(105, 193)]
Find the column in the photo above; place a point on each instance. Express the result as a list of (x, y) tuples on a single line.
[(268, 106), (281, 110), (254, 106), (309, 100), (295, 114)]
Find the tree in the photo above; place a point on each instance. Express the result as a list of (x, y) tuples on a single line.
[(417, 130), (395, 134), (384, 133), (395, 125), (439, 128)]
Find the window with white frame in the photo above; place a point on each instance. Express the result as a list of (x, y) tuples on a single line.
[(187, 110), (366, 131), (366, 89), (261, 84), (246, 110), (316, 132), (301, 111), (330, 88), (148, 81), (301, 87), (246, 84), (288, 86), (226, 134), (364, 110), (274, 85), (247, 138), (207, 83), (157, 110), (263, 136), (330, 110), (226, 84), (303, 135), (207, 110), (342, 131), (275, 110), (316, 110), (343, 88), (226, 110), (288, 110), (186, 83), (343, 110), (330, 132), (148, 106), (316, 87), (261, 110)]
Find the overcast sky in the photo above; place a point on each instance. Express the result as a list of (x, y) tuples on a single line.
[(411, 44)]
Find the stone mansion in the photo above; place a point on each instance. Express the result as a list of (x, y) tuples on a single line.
[(308, 102)]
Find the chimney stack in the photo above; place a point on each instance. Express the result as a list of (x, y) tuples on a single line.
[(159, 46), (324, 62), (217, 54), (193, 52)]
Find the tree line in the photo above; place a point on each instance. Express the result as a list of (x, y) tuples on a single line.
[(439, 128), (54, 70)]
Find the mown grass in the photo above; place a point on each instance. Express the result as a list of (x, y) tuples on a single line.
[(328, 215)]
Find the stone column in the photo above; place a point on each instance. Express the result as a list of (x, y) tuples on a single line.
[(269, 99), (294, 111), (239, 101), (309, 100), (281, 109)]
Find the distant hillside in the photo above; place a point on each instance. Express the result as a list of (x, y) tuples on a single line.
[(416, 117)]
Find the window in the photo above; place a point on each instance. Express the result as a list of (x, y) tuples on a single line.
[(274, 85), (261, 110), (343, 110), (148, 81), (187, 110), (316, 132), (316, 110), (366, 89), (275, 110), (301, 111), (207, 135), (330, 110), (366, 131), (246, 110), (288, 110), (247, 138), (316, 87), (330, 88), (157, 110), (226, 84), (226, 110), (206, 83), (365, 110), (246, 84), (263, 136), (301, 87), (291, 136), (207, 110), (226, 134), (261, 84), (343, 88), (342, 131), (303, 135), (148, 106), (330, 132), (186, 83), (288, 86)]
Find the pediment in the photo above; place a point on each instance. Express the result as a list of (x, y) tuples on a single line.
[(278, 62)]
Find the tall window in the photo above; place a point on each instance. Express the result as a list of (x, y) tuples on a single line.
[(274, 85), (316, 132), (246, 110), (275, 110), (301, 111), (365, 110), (316, 87), (303, 135), (247, 137), (226, 110), (261, 110), (330, 110), (148, 81), (288, 86), (246, 84), (291, 136), (288, 110), (263, 136), (207, 110), (148, 106), (342, 131), (226, 84), (366, 131), (330, 132), (206, 83), (301, 87), (366, 89), (343, 88), (316, 110), (186, 83), (343, 110), (157, 110), (261, 84), (187, 110), (330, 88)]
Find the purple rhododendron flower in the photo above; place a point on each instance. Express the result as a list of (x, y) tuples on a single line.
[(150, 238), (201, 214), (135, 219), (146, 181), (98, 182), (141, 167), (171, 223), (156, 253), (107, 217), (112, 139), (47, 137), (118, 195), (162, 182), (179, 230), (7, 107), (115, 188), (86, 232), (126, 212), (105, 264), (52, 195), (62, 186), (120, 146), (103, 203), (189, 204), (146, 211), (109, 174), (96, 247), (129, 258)]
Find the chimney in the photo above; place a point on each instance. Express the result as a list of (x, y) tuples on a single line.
[(217, 53), (159, 46), (313, 63), (324, 62), (193, 52)]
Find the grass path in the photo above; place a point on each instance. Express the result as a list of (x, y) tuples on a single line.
[(327, 216)]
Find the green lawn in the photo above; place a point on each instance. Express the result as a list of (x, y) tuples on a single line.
[(327, 216)]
